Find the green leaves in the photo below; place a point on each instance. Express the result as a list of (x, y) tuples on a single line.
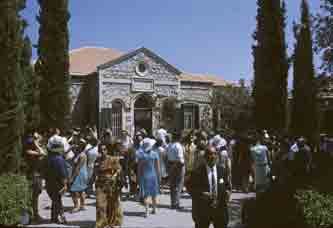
[(271, 66), (317, 208), (15, 197), (234, 103), (53, 63), (323, 27)]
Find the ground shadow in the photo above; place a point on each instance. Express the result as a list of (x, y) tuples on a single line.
[(186, 197), (91, 204), (165, 206), (85, 224), (185, 210), (134, 213)]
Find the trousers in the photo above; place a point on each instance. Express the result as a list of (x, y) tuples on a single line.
[(176, 185)]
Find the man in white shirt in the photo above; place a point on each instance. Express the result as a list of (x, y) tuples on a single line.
[(176, 169), (91, 151)]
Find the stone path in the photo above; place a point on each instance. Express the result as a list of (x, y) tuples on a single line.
[(134, 213)]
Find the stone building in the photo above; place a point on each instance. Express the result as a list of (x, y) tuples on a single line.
[(138, 89)]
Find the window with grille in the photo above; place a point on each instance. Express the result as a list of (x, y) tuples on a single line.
[(190, 116), (116, 118)]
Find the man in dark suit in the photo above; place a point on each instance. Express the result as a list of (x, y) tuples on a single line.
[(210, 190)]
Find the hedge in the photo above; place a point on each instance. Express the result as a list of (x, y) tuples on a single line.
[(316, 208), (15, 198)]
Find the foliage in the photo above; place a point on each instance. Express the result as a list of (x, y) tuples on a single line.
[(317, 208), (15, 198), (324, 35), (304, 85), (31, 89), (270, 66), (11, 80), (52, 65), (235, 105)]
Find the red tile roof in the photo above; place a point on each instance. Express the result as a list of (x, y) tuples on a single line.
[(215, 80), (85, 60)]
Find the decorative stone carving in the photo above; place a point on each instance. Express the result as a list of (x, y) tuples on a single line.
[(110, 92), (74, 92), (127, 69), (206, 116), (167, 90), (142, 85), (201, 95)]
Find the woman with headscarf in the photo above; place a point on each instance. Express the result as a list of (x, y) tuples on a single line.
[(108, 190), (149, 174), (56, 178), (79, 178)]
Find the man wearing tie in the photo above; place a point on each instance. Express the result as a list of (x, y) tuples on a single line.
[(210, 192)]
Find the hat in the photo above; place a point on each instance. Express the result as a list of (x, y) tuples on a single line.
[(219, 142), (147, 144), (56, 144)]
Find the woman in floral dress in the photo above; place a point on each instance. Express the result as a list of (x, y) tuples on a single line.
[(108, 189)]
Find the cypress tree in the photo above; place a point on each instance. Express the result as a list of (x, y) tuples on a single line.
[(270, 66), (53, 63), (11, 81), (31, 89), (304, 121)]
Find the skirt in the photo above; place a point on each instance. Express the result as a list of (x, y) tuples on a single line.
[(80, 183)]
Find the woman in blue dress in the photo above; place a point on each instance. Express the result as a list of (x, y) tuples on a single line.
[(79, 178), (149, 174)]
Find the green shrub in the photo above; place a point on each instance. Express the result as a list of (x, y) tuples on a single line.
[(316, 208), (15, 198)]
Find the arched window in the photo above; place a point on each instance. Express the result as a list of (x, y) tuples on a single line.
[(116, 118)]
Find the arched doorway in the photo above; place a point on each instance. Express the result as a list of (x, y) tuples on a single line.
[(143, 113)]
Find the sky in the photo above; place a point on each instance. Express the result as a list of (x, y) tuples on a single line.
[(196, 36)]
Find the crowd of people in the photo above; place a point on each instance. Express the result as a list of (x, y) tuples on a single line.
[(208, 165)]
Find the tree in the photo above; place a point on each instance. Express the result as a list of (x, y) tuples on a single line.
[(271, 66), (324, 35), (52, 65), (303, 119), (234, 104), (31, 89), (11, 80)]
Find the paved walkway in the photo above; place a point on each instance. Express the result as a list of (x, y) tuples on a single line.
[(134, 213)]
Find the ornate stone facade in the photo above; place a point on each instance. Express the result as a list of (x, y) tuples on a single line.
[(140, 82)]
